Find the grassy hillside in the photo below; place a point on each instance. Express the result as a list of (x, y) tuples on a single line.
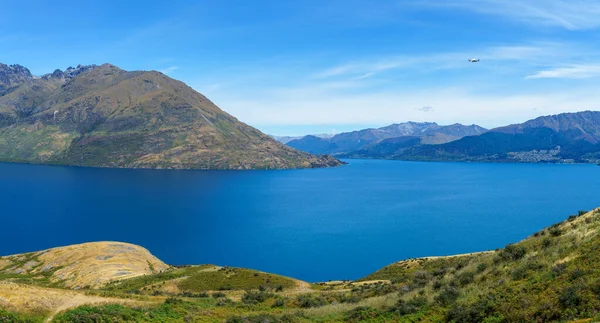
[(103, 116), (552, 276)]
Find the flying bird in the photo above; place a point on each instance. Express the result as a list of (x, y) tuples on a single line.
[(473, 60)]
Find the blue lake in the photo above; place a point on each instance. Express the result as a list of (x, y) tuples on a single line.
[(315, 224)]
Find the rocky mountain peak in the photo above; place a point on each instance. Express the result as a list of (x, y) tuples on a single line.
[(12, 75), (70, 72)]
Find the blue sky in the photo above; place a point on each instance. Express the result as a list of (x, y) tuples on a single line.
[(313, 66)]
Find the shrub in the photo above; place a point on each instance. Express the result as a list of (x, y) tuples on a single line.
[(555, 231), (577, 273), (411, 306), (466, 278), (569, 297), (513, 252), (481, 267), (421, 278), (363, 313), (439, 272), (474, 313), (280, 302), (173, 300), (252, 297), (546, 243), (218, 295), (447, 296), (558, 269), (307, 301), (262, 318)]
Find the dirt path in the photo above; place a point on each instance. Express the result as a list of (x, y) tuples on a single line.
[(29, 298), (81, 299)]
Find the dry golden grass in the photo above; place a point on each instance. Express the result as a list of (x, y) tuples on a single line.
[(50, 301), (91, 264), (373, 302)]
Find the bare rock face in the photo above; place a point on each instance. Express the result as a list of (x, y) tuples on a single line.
[(103, 116)]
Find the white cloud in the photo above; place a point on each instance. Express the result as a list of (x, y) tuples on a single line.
[(570, 72), (569, 14), (169, 69)]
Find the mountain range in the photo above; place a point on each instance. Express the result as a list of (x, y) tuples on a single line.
[(104, 116), (286, 139), (566, 137), (413, 132), (562, 138)]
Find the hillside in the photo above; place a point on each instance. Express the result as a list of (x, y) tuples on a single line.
[(567, 137), (428, 132), (552, 276), (88, 265), (103, 116)]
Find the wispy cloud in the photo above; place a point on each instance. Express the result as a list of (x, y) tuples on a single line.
[(381, 108), (569, 72), (569, 14), (537, 53), (426, 108), (169, 69)]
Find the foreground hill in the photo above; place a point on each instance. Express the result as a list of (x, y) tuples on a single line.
[(104, 116), (552, 276), (426, 132), (567, 137)]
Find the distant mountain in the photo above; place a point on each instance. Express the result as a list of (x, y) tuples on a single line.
[(104, 116), (567, 137), (286, 139), (427, 132)]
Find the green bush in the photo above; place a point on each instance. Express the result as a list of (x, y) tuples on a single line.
[(546, 243), (363, 313), (414, 305), (262, 318), (421, 278), (481, 267), (308, 300), (555, 231), (466, 278), (474, 313), (447, 296), (513, 252), (8, 317), (569, 297), (252, 297)]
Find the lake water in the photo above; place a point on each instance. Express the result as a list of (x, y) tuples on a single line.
[(314, 224)]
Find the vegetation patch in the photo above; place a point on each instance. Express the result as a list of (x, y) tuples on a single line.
[(234, 279)]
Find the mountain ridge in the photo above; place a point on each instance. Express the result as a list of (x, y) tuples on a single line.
[(103, 116), (351, 141), (565, 137)]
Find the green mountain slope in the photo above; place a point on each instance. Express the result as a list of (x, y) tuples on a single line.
[(106, 117)]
